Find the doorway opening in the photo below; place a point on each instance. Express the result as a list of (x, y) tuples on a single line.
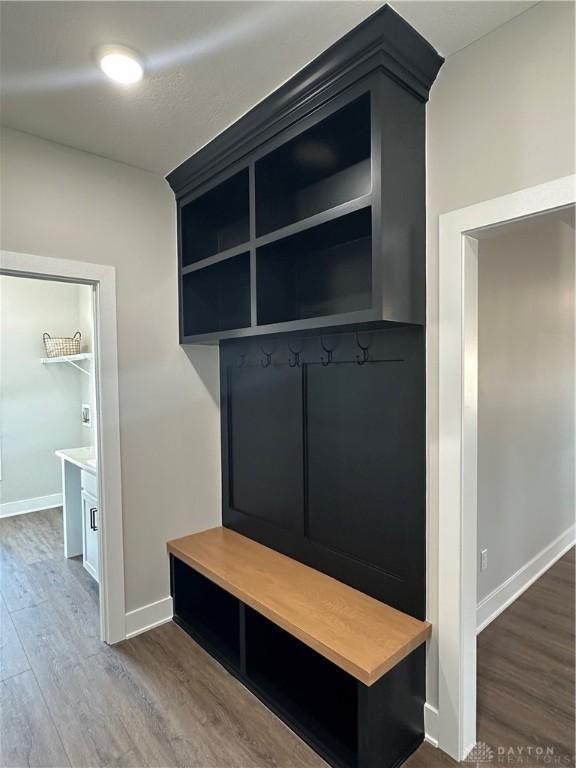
[(525, 508), (475, 474), (48, 515), (60, 513)]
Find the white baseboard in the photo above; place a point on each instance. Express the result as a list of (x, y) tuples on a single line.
[(11, 508), (431, 724), (500, 598), (148, 617)]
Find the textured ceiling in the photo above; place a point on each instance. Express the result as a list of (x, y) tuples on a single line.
[(207, 63)]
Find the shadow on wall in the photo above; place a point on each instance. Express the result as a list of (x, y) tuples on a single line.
[(202, 358)]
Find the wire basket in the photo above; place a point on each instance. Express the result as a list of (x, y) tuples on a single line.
[(62, 346)]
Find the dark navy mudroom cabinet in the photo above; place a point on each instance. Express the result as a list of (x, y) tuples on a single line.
[(301, 252)]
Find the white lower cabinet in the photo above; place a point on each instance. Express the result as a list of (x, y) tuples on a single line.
[(90, 533)]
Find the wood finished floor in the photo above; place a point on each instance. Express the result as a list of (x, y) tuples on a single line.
[(158, 700)]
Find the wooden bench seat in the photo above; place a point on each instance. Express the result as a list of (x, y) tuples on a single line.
[(361, 635)]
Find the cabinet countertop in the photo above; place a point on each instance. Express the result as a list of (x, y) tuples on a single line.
[(85, 458)]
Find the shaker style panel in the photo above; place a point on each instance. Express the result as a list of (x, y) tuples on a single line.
[(265, 443)]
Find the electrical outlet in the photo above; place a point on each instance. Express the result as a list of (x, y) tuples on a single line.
[(86, 416), (483, 559)]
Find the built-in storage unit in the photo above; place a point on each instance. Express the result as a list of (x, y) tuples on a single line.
[(319, 192), (301, 242), (341, 668)]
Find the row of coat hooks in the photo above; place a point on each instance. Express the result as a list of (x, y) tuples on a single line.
[(294, 358)]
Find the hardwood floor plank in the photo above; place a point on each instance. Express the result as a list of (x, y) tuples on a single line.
[(430, 757), (13, 659), (27, 734), (51, 635), (24, 541), (526, 671), (122, 721), (523, 671), (46, 541), (92, 733), (66, 584), (19, 586), (195, 691)]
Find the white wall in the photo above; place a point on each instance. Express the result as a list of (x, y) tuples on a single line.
[(39, 404), (68, 204), (500, 118), (525, 393)]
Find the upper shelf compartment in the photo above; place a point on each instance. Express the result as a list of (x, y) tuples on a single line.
[(323, 271), (309, 212), (216, 221), (321, 168)]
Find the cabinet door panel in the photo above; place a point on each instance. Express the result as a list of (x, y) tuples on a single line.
[(90, 536)]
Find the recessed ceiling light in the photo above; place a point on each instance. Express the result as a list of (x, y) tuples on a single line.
[(121, 64)]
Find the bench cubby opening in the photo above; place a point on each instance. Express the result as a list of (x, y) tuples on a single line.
[(317, 697), (207, 612)]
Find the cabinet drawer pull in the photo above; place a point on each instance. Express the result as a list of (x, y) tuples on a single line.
[(93, 519)]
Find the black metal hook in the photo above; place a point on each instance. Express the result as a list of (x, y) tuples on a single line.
[(294, 362), (268, 355), (328, 359), (365, 356)]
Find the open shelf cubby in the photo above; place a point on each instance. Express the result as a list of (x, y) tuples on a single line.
[(345, 134), (325, 166), (217, 297), (315, 695), (217, 220), (323, 271), (210, 614)]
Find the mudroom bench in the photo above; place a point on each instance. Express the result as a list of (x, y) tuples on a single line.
[(339, 667)]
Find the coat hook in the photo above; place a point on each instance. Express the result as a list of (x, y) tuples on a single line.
[(328, 359), (242, 360), (268, 356), (294, 362), (365, 356)]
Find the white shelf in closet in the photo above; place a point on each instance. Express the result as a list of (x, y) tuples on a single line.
[(71, 359)]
